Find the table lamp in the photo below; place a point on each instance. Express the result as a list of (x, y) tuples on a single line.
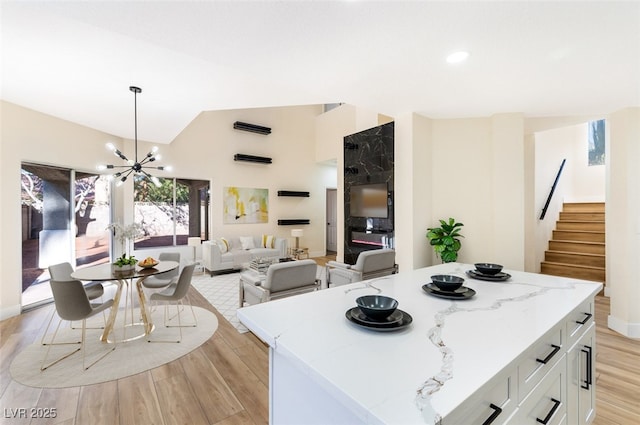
[(297, 233), (194, 242)]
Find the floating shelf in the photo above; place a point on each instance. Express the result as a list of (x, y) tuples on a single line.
[(293, 193), (293, 221), (238, 125), (251, 158)]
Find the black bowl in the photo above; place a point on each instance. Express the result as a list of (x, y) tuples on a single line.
[(377, 307), (447, 282), (488, 268)]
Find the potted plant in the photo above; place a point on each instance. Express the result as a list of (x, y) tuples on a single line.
[(124, 263), (444, 240)]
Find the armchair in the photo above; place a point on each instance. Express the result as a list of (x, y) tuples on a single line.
[(370, 264), (281, 280)]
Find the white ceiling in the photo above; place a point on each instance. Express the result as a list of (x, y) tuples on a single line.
[(76, 60)]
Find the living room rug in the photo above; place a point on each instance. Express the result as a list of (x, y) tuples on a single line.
[(129, 358), (222, 292)]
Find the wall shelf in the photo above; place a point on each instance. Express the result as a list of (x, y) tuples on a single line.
[(252, 158), (239, 125), (293, 221), (295, 193)]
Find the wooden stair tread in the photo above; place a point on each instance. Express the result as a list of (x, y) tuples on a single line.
[(578, 242), (586, 254), (580, 221), (580, 266), (576, 247)]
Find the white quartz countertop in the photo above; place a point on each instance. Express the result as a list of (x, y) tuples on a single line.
[(447, 353)]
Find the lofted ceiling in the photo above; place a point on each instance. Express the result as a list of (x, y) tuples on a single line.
[(76, 60)]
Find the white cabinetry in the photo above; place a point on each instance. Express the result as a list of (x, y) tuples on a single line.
[(581, 371), (551, 383), (546, 404), (516, 353)]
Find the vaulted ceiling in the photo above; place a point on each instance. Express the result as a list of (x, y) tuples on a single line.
[(76, 60)]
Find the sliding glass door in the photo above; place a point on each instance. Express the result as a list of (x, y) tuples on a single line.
[(64, 219)]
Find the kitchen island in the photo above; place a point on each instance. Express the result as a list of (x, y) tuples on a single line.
[(519, 351)]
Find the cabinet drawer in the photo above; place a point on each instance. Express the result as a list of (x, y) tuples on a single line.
[(490, 405), (539, 359), (547, 402), (579, 321)]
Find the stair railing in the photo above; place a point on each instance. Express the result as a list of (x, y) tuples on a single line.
[(553, 188)]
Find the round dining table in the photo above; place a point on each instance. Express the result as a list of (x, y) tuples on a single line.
[(109, 272)]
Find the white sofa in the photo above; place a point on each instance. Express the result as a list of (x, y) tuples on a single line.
[(215, 259)]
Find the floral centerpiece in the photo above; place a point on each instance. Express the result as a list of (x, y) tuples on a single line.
[(125, 235)]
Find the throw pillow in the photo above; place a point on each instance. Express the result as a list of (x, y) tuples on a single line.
[(268, 241), (222, 244), (247, 242)]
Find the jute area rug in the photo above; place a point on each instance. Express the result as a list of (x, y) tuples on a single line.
[(129, 358)]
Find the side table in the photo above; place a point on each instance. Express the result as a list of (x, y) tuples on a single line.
[(299, 253)]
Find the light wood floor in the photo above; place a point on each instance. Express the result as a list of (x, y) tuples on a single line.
[(225, 381)]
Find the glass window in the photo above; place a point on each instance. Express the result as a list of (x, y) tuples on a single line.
[(596, 142), (169, 214)]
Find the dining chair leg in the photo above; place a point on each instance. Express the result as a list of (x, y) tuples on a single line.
[(44, 335), (45, 366), (193, 314), (166, 321), (84, 351)]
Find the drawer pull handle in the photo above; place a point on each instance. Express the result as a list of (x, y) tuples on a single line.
[(496, 412), (556, 348), (556, 404), (587, 316), (589, 355)]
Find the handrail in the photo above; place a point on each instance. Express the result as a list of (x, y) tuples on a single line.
[(553, 188)]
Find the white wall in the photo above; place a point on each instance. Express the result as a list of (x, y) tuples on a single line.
[(34, 137), (205, 150), (579, 182), (623, 221), (478, 179), (413, 197)]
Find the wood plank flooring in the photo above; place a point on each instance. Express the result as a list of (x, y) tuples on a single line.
[(226, 382)]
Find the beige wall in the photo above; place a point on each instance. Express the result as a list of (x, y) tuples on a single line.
[(204, 150), (34, 137), (623, 221), (579, 182), (330, 129), (413, 190)]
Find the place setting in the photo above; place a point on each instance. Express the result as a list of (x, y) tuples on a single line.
[(449, 287), (488, 272), (378, 313)]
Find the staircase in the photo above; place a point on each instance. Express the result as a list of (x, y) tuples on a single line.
[(577, 245)]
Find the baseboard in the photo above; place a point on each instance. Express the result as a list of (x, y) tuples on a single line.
[(7, 312), (630, 330)]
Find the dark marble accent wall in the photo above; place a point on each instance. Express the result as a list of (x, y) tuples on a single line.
[(368, 159)]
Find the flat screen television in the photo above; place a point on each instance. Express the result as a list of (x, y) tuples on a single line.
[(369, 200)]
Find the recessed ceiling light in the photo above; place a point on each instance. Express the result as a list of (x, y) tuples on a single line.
[(457, 57)]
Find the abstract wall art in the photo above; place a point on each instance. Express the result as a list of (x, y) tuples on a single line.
[(244, 205)]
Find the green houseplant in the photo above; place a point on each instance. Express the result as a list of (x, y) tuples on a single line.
[(445, 240)]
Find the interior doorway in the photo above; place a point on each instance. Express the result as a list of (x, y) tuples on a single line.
[(332, 221)]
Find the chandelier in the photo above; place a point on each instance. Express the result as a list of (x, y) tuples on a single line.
[(133, 165)]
